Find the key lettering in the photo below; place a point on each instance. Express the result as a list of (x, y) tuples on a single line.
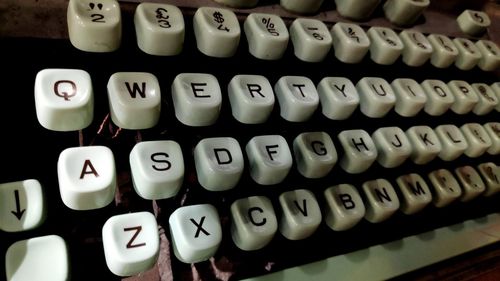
[(464, 90), (439, 91), (416, 188), (137, 230), (252, 219), (451, 138), (425, 139), (382, 195), (91, 170), (319, 148), (160, 157), (398, 144), (302, 209), (96, 17), (347, 201), (255, 88), (199, 227), (196, 87), (491, 174), (61, 89), (300, 86), (410, 90), (270, 152), (228, 159), (382, 93), (135, 89), (341, 90), (360, 143)]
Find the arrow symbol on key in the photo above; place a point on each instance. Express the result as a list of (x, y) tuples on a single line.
[(18, 212)]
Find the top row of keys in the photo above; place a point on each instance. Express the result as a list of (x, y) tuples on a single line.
[(160, 31), (398, 12)]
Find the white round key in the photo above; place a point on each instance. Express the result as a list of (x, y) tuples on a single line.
[(196, 232), (131, 243), (453, 142), (444, 50), (487, 99), (404, 12), (159, 29), (439, 97), (251, 98), (297, 97), (392, 145), (376, 96), (311, 39), (386, 46), (473, 22), (356, 9), (87, 177), (197, 98), (157, 169), (217, 31), (43, 258), (350, 42), (64, 99), (94, 26), (267, 36), (468, 54), (338, 96), (134, 100), (270, 159), (301, 214), (219, 163), (22, 205), (410, 97), (360, 151), (465, 96), (490, 52), (478, 139), (344, 207), (417, 49)]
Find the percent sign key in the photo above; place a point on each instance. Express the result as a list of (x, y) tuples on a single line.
[(270, 26)]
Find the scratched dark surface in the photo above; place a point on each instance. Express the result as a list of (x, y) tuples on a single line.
[(28, 150)]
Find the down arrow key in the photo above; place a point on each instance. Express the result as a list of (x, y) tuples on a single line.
[(21, 205)]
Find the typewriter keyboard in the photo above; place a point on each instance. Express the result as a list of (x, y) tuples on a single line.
[(227, 140)]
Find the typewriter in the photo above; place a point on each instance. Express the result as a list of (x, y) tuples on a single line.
[(248, 139)]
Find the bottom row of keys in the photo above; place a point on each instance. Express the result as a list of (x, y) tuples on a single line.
[(131, 241)]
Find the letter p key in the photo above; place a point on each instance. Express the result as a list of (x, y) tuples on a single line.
[(196, 232)]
